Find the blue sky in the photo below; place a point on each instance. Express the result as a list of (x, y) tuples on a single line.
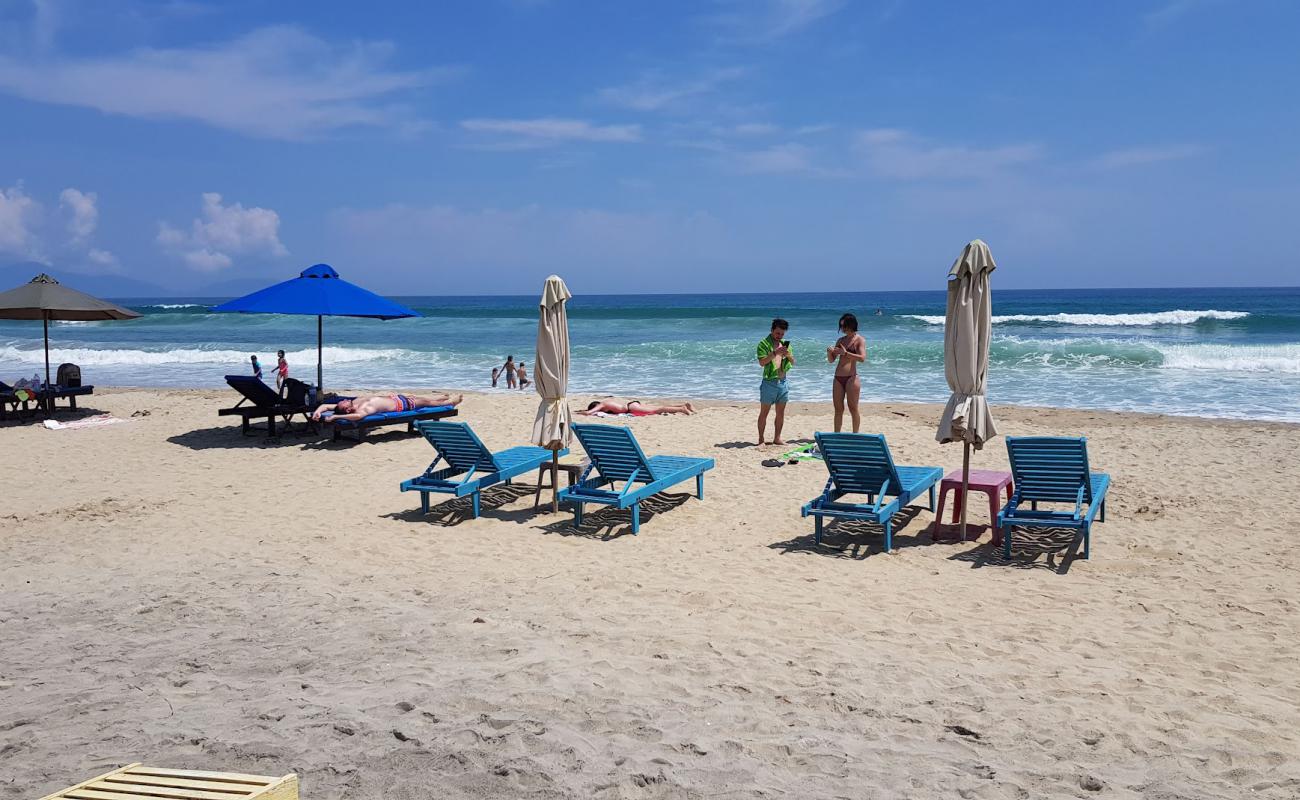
[(746, 145)]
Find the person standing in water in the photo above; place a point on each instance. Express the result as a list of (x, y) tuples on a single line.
[(281, 371), (850, 350)]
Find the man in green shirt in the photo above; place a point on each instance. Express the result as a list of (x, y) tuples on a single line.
[(775, 356)]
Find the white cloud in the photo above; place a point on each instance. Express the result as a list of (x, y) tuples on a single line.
[(29, 229), (83, 213), (101, 258), (894, 153), (755, 22), (222, 231), (790, 158), (548, 131), (277, 82), (20, 217), (653, 92), (1140, 156), (1172, 11)]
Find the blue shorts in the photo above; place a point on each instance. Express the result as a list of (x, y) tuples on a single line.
[(773, 391)]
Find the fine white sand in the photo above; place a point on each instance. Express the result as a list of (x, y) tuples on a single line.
[(174, 593)]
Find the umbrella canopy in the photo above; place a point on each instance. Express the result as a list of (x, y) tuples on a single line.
[(318, 291), (966, 332), (551, 368), (46, 299)]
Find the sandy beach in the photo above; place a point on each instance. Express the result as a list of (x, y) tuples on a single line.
[(174, 593)]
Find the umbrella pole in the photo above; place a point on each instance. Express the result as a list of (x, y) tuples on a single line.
[(320, 348), (965, 488), (49, 396)]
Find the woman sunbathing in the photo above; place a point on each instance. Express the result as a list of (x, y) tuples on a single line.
[(359, 407), (634, 407)]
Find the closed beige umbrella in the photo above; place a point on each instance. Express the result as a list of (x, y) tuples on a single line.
[(551, 428), (967, 328)]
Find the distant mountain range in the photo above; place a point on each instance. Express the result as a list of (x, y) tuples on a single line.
[(120, 286)]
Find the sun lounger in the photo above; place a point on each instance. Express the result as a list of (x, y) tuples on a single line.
[(138, 782), (408, 418), (264, 403), (9, 402), (12, 405), (69, 393), (469, 466), (617, 457), (1052, 469), (860, 464)]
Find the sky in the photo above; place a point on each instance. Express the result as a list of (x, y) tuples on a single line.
[(709, 145)]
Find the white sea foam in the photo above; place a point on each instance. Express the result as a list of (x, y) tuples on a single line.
[(95, 357), (1278, 358), (1178, 317), (170, 306)]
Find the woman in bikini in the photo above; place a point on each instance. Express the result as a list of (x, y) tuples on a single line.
[(850, 349), (634, 407)]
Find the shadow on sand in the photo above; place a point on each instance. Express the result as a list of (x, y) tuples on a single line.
[(455, 510), (601, 524), (856, 539), (229, 437), (1052, 549)]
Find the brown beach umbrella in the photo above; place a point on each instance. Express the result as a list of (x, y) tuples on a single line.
[(551, 428), (967, 328), (46, 299)]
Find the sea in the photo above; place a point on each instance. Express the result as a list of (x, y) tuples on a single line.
[(1231, 353)]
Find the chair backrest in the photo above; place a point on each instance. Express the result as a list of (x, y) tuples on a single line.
[(614, 452), (295, 392), (256, 392), (1050, 468), (458, 445), (859, 462)]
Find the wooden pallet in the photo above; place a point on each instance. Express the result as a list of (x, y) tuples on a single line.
[(138, 782)]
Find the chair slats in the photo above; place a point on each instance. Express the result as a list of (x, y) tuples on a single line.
[(458, 445)]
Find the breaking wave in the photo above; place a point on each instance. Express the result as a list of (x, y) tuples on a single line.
[(1178, 317)]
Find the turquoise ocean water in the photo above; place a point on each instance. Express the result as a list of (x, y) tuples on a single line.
[(1209, 352)]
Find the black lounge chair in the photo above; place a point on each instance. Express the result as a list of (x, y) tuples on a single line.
[(10, 405), (69, 393), (264, 403)]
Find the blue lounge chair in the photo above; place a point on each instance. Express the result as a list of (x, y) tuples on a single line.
[(358, 427), (616, 456), (470, 466), (1052, 469), (860, 463)]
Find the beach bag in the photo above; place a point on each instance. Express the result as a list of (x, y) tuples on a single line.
[(298, 393), (69, 376)]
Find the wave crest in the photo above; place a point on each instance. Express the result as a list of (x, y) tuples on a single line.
[(1177, 317), (237, 359)]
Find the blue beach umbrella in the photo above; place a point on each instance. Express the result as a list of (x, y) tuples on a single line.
[(318, 292)]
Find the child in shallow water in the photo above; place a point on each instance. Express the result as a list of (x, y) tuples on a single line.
[(281, 371)]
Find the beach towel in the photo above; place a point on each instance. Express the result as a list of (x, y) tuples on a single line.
[(805, 452), (88, 422)]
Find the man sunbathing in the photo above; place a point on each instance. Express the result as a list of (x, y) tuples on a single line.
[(634, 407), (364, 406)]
